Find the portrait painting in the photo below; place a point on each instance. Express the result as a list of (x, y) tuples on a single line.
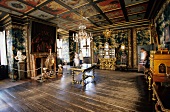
[(43, 38)]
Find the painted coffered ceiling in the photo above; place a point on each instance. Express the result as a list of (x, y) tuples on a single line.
[(68, 14)]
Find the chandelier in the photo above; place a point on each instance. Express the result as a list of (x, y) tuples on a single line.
[(82, 34)]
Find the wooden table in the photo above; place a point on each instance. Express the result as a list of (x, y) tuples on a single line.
[(82, 71)]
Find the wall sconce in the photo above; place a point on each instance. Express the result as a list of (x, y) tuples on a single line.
[(122, 47)]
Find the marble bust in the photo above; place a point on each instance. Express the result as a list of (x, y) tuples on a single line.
[(20, 57)]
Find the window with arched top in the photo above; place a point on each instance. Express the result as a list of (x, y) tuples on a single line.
[(162, 68)]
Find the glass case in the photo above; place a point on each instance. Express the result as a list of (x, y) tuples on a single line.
[(106, 51)]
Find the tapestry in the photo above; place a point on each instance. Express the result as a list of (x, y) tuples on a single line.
[(163, 24), (9, 50), (43, 37), (65, 49), (121, 37), (143, 36), (72, 47), (15, 41)]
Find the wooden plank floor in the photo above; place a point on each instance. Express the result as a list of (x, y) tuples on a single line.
[(111, 91)]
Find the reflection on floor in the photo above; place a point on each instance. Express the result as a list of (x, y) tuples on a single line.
[(6, 83), (111, 91)]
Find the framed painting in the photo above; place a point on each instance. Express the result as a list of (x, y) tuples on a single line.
[(43, 38)]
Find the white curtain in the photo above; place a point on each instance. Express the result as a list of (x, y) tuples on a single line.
[(3, 48)]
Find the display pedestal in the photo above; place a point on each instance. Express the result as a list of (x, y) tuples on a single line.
[(21, 70)]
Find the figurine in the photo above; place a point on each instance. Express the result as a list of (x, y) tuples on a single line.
[(20, 57), (76, 60)]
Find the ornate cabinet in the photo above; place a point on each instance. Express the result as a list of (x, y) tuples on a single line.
[(107, 57), (159, 62)]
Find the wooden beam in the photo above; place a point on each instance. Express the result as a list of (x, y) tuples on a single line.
[(100, 11), (122, 4)]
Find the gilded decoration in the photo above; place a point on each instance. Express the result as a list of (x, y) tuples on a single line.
[(26, 36), (129, 49), (135, 55), (154, 35)]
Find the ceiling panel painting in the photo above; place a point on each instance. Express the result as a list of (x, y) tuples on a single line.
[(117, 20), (136, 16), (71, 17), (54, 8), (68, 26), (41, 15), (137, 8), (16, 5), (97, 18), (87, 11), (114, 14), (85, 22), (35, 2), (109, 5), (59, 20), (133, 2), (74, 3), (10, 11), (102, 23)]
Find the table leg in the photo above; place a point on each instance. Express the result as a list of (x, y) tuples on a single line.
[(83, 78), (72, 73), (93, 73)]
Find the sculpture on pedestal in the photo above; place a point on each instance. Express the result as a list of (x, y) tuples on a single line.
[(20, 57), (21, 64)]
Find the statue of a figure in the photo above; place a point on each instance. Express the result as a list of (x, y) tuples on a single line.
[(20, 57)]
